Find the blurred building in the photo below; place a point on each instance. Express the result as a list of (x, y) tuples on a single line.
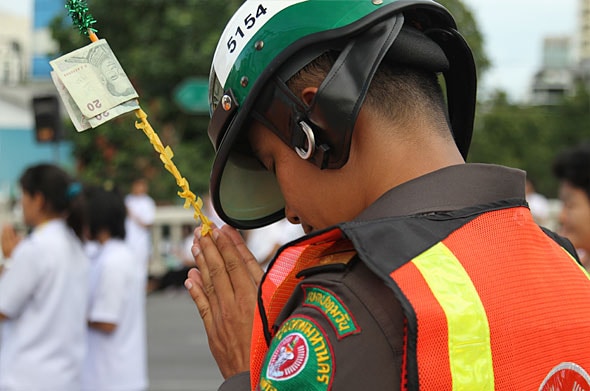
[(557, 74), (584, 41), (584, 30), (25, 45), (15, 47), (565, 62)]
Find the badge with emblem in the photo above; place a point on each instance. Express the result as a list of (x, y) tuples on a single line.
[(299, 358), (289, 357), (566, 376)]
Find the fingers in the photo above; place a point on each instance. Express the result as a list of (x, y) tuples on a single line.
[(194, 285), (201, 274), (9, 240), (225, 296), (194, 277), (256, 272), (226, 267), (8, 233), (222, 259), (212, 265)]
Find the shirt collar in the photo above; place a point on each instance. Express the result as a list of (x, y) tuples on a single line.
[(450, 188)]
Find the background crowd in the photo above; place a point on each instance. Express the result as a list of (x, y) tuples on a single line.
[(73, 285)]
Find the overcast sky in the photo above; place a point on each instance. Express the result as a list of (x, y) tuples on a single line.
[(513, 32), (20, 7)]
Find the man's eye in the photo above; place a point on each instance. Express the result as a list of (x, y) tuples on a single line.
[(263, 165), (270, 166)]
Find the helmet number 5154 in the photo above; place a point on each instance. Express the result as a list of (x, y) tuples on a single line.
[(249, 22)]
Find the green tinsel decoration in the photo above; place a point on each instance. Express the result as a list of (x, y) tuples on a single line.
[(82, 19)]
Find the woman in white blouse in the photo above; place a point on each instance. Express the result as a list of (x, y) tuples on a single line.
[(43, 289)]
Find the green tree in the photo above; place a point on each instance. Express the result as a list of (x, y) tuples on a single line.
[(529, 137), (159, 44), (572, 117), (515, 136)]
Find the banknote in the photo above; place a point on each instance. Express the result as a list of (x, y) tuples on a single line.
[(116, 111), (94, 78), (78, 119), (82, 123)]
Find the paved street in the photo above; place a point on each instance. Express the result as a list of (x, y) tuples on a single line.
[(178, 355)]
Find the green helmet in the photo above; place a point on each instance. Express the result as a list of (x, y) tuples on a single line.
[(268, 41)]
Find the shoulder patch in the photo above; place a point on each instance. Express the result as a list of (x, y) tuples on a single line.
[(330, 305), (300, 357)]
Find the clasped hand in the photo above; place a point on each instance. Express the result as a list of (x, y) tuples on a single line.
[(224, 287), (9, 240)]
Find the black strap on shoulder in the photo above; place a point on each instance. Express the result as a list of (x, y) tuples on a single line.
[(563, 242)]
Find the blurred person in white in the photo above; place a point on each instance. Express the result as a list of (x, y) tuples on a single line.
[(538, 203), (181, 261), (141, 212), (116, 358), (44, 289), (572, 168), (264, 242)]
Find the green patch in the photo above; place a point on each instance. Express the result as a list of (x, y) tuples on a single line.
[(299, 358), (332, 308)]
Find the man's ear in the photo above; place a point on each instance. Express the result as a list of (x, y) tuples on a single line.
[(308, 94)]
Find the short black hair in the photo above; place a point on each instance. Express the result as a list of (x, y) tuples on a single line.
[(61, 192), (106, 211), (393, 91), (573, 165)]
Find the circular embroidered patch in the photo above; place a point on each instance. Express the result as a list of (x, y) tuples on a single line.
[(299, 358), (288, 358), (566, 376)]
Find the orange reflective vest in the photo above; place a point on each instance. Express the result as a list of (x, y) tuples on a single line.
[(491, 302)]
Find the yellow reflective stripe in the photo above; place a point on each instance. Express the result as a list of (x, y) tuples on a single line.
[(470, 352), (577, 263)]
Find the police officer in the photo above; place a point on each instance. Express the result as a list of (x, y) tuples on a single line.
[(418, 271)]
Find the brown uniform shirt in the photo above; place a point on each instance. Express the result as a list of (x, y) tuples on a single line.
[(372, 358)]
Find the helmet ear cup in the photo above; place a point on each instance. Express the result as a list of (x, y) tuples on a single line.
[(415, 49), (343, 91), (461, 83), (333, 111)]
